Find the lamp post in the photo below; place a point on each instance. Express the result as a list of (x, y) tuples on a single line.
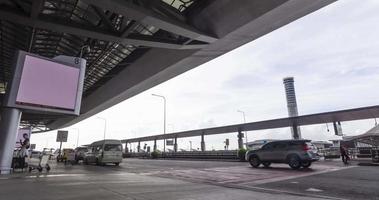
[(77, 138), (244, 121), (105, 125), (164, 118)]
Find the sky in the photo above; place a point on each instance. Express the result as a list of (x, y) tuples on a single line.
[(332, 54)]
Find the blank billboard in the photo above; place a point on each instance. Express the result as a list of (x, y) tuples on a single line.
[(48, 83)]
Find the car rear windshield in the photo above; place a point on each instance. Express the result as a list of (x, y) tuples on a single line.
[(112, 147)]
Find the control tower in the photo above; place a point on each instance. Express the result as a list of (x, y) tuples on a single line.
[(292, 105)]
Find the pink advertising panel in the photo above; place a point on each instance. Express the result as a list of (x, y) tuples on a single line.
[(47, 83), (23, 137)]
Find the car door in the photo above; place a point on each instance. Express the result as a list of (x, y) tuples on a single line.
[(279, 151), (265, 153), (91, 155)]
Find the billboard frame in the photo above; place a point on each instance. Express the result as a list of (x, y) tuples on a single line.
[(13, 88)]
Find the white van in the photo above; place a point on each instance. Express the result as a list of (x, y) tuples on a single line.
[(104, 151)]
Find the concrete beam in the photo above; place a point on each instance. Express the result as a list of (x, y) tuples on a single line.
[(147, 16), (319, 118), (136, 40)]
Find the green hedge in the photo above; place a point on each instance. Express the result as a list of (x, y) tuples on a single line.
[(241, 154), (155, 154)]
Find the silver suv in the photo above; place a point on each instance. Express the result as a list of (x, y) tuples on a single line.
[(296, 153)]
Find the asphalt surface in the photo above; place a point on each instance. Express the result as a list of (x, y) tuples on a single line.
[(350, 183), (174, 179)]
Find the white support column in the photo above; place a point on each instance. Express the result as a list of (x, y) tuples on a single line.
[(10, 120)]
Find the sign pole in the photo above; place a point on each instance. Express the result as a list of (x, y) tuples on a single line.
[(61, 137), (60, 149)]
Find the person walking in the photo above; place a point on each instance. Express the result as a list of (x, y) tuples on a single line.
[(25, 144), (344, 154)]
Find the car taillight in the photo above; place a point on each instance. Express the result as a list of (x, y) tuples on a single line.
[(306, 147)]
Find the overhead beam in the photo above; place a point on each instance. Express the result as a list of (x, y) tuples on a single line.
[(36, 8), (149, 17), (319, 118), (129, 28), (148, 41), (104, 17)]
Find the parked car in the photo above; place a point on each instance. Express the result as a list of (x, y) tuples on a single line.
[(67, 154), (296, 153), (80, 153), (104, 151)]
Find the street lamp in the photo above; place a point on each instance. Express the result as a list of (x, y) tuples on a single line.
[(244, 121), (164, 119), (105, 125), (77, 138)]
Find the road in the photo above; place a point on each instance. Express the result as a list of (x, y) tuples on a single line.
[(174, 179)]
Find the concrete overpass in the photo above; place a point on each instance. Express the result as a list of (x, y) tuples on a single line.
[(318, 118), (134, 45)]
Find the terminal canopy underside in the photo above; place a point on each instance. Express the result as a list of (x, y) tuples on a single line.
[(120, 32), (55, 27)]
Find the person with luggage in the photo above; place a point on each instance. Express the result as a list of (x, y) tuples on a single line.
[(25, 145)]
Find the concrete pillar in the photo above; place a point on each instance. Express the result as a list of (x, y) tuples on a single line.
[(139, 147), (126, 148), (202, 144), (295, 130), (176, 144), (10, 120), (240, 140), (155, 145)]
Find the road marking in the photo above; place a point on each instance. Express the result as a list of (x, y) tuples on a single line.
[(313, 190), (283, 178), (53, 175), (268, 190)]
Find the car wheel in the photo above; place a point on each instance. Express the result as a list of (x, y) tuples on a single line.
[(254, 161), (294, 162), (306, 164), (266, 164), (117, 163)]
